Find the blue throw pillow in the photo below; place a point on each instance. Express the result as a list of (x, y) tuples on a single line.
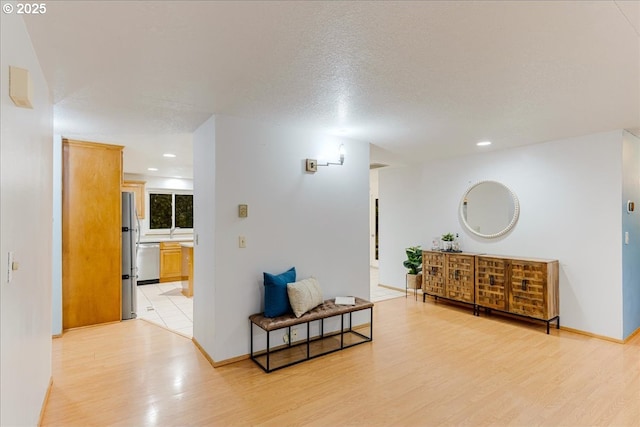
[(276, 300)]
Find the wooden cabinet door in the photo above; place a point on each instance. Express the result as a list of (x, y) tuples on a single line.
[(170, 262), (460, 278), (491, 282), (433, 273), (187, 272), (528, 289), (136, 187), (186, 260), (91, 234)]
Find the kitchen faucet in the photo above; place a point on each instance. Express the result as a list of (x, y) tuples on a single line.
[(171, 231)]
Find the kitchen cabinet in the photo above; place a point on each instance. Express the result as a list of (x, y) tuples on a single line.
[(187, 269), (170, 262), (136, 187), (91, 233)]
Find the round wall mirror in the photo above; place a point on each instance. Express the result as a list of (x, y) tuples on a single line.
[(489, 209)]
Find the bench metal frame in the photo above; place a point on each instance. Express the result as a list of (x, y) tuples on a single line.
[(268, 352)]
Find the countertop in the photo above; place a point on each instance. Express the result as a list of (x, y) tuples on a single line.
[(186, 244), (164, 238)]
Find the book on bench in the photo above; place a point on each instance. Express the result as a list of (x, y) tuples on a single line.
[(345, 301)]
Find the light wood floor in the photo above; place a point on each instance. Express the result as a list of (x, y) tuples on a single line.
[(429, 364)]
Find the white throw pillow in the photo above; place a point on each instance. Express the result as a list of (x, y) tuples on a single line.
[(304, 295)]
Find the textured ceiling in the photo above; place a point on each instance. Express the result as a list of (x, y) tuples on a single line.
[(420, 80)]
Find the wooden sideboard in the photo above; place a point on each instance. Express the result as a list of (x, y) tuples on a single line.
[(526, 287)]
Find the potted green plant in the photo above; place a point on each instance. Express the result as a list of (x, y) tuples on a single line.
[(413, 263), (447, 240)]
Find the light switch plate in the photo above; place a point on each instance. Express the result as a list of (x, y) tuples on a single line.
[(311, 165), (242, 242), (20, 87)]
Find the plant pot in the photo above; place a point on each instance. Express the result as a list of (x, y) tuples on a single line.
[(414, 281), (446, 245)]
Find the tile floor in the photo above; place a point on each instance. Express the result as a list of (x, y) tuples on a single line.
[(164, 304), (380, 293)]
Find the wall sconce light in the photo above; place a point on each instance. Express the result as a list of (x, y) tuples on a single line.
[(311, 165)]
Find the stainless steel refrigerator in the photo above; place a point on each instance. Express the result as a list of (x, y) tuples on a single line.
[(129, 268)]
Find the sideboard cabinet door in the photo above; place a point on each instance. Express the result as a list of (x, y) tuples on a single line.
[(534, 289), (459, 283), (491, 282), (433, 270)]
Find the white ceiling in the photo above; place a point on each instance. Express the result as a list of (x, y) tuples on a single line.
[(420, 80)]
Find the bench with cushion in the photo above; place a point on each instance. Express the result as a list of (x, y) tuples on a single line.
[(273, 358)]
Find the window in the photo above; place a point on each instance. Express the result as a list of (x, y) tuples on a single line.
[(168, 210)]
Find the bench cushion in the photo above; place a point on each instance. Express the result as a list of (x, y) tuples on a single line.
[(327, 309)]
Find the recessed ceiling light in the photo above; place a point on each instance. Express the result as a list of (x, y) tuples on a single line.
[(168, 155), (483, 143), (152, 169)]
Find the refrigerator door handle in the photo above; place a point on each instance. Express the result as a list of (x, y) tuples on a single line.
[(139, 230)]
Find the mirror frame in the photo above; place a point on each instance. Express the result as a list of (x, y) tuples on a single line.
[(516, 211)]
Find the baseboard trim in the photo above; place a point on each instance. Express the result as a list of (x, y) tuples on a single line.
[(93, 326), (592, 335), (222, 362), (45, 401), (633, 334), (393, 288)]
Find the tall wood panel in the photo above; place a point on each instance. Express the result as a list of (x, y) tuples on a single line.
[(91, 234)]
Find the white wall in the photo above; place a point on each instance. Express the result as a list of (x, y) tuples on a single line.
[(204, 278), (26, 200), (401, 221), (569, 192), (631, 225), (318, 223)]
